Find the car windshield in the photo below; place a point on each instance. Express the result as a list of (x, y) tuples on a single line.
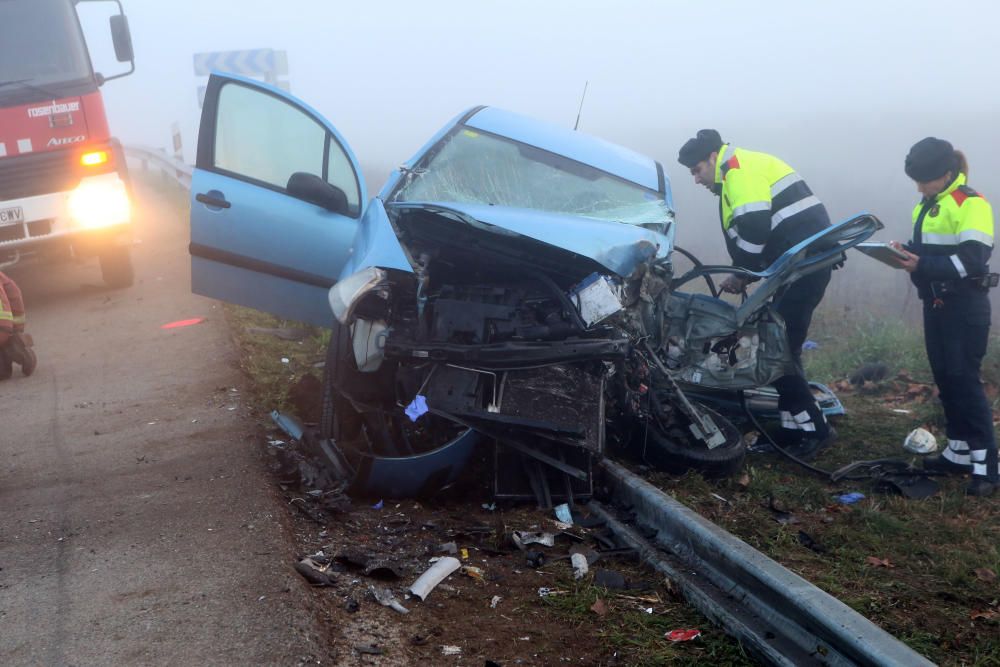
[(480, 168), (41, 43)]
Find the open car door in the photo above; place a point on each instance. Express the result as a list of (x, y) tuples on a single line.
[(277, 197)]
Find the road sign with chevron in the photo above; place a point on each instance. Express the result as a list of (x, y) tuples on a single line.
[(268, 64)]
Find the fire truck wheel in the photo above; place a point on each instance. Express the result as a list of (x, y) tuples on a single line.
[(116, 267)]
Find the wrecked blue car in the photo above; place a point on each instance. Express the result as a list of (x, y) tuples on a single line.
[(511, 286)]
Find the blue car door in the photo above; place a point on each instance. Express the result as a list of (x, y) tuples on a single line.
[(277, 197)]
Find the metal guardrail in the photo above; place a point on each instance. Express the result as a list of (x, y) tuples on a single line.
[(168, 164), (777, 615)]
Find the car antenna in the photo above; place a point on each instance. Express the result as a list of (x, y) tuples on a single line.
[(582, 98)]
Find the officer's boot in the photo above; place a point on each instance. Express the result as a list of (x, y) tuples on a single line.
[(985, 471), (19, 350), (6, 366), (819, 434)]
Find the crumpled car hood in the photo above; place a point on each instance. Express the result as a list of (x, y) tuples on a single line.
[(618, 247)]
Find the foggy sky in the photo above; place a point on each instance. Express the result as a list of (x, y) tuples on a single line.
[(840, 90)]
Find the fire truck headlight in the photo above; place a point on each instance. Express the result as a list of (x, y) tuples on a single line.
[(101, 201)]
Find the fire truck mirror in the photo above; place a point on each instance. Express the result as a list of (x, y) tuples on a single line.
[(122, 38)]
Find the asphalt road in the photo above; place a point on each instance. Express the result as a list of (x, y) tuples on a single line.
[(137, 523)]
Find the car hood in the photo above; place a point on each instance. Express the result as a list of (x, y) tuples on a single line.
[(618, 247)]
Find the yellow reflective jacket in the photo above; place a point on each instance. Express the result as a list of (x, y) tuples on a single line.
[(765, 207), (953, 234)]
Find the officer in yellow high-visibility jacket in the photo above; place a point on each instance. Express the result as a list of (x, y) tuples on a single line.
[(948, 263), (765, 209)]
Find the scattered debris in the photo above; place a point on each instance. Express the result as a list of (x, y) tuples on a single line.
[(915, 487), (879, 562), (449, 548), (379, 505), (810, 345), (352, 606), (683, 634), (564, 514), (315, 573), (599, 607), (290, 425), (806, 540), (451, 650), (545, 592), (580, 567), (433, 576), (368, 649), (417, 408), (489, 507), (495, 601), (872, 372), (850, 498), (523, 538), (183, 323), (920, 441), (473, 572), (385, 598)]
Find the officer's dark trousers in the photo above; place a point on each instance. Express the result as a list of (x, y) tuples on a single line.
[(956, 335), (796, 306)]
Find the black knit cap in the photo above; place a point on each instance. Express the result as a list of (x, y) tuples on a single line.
[(699, 148), (930, 159)]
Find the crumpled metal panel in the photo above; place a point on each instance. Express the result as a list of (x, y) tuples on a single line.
[(616, 246)]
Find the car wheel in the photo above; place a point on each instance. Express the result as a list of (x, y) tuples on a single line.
[(338, 418), (116, 267), (677, 451)]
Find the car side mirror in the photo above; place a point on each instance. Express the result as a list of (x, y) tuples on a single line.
[(313, 189), (121, 37)]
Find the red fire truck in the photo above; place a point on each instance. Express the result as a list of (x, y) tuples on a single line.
[(63, 180)]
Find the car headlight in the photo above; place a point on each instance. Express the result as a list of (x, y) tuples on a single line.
[(100, 201), (347, 293)]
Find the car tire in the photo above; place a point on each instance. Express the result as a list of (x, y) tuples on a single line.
[(677, 452), (337, 415), (116, 267)]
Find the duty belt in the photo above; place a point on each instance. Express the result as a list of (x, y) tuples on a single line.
[(941, 288)]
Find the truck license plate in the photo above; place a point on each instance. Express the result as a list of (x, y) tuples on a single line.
[(11, 215)]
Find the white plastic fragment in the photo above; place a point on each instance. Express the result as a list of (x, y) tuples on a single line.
[(580, 565), (920, 441), (522, 538), (451, 650), (495, 601), (433, 576), (385, 598)]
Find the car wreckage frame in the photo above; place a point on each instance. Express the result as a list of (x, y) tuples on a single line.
[(555, 362), (512, 285)]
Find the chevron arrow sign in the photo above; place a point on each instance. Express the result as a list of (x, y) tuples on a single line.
[(251, 62)]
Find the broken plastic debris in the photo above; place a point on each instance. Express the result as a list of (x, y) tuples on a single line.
[(183, 323), (465, 553), (437, 573), (385, 598), (451, 650), (683, 634), (285, 360), (810, 345), (580, 566), (563, 513), (473, 572), (545, 592), (417, 408), (522, 538), (286, 423), (920, 441), (489, 507), (314, 573), (851, 498), (379, 505), (495, 601)]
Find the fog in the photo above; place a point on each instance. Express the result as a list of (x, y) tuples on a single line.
[(840, 90)]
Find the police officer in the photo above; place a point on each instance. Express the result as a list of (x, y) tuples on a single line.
[(765, 209), (15, 345), (948, 263)]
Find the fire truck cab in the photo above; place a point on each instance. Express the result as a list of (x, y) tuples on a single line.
[(64, 185)]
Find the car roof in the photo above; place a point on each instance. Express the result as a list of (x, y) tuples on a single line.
[(598, 153)]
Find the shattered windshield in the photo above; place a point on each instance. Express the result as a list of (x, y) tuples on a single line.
[(478, 168)]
